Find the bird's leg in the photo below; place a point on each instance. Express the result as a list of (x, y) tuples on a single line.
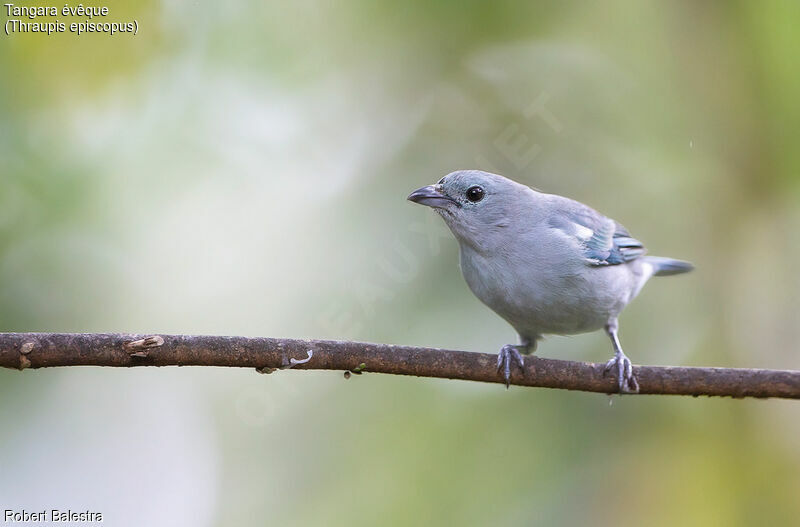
[(627, 382), (513, 353)]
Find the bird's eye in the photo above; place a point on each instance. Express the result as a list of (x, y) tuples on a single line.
[(475, 193), (440, 181)]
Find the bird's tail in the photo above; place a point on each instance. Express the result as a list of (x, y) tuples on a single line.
[(668, 266)]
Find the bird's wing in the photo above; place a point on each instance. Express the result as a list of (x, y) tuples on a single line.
[(602, 240)]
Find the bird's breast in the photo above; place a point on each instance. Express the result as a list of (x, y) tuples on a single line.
[(539, 296)]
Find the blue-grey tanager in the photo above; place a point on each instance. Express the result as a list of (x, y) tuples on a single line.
[(545, 263)]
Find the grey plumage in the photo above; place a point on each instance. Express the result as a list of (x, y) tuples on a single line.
[(545, 263)]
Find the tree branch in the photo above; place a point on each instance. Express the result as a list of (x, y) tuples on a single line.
[(46, 350)]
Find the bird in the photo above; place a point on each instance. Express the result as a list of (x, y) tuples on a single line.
[(547, 264)]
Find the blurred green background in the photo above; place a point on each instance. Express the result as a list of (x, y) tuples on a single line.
[(241, 168)]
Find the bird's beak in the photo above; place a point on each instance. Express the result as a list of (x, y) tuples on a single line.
[(431, 197)]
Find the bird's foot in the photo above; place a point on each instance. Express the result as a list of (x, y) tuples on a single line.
[(627, 382), (508, 354)]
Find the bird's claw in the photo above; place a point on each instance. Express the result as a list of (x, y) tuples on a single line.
[(625, 378), (507, 355)]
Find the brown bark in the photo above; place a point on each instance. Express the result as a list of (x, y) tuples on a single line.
[(46, 350)]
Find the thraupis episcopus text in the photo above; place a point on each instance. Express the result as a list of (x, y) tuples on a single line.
[(545, 263)]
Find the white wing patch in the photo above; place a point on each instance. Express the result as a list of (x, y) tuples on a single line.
[(582, 232)]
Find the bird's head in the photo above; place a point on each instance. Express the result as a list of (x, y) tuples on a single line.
[(475, 204)]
